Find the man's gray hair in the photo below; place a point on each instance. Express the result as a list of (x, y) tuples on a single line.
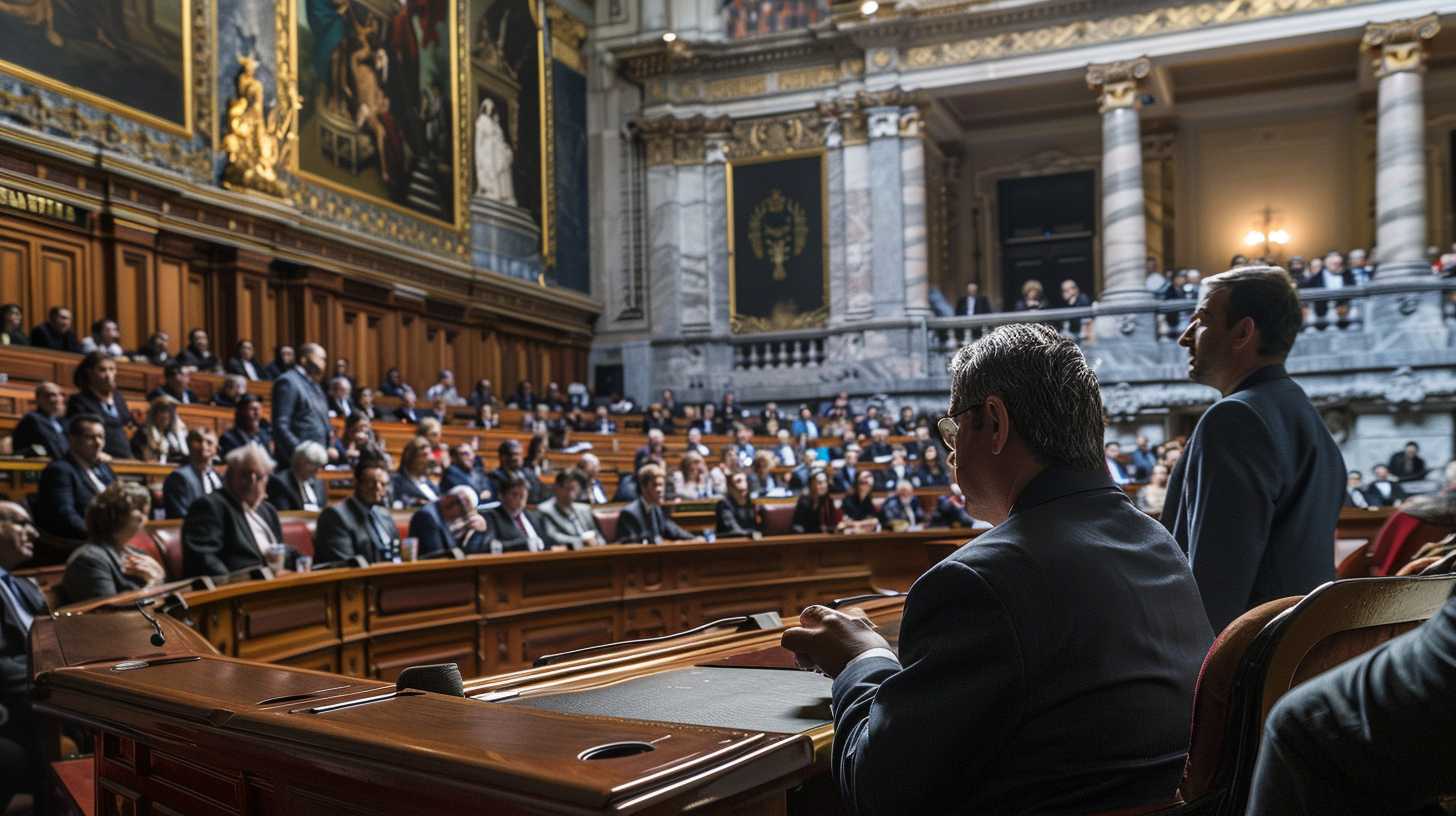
[(311, 452), (467, 494), (251, 452), (1051, 394)]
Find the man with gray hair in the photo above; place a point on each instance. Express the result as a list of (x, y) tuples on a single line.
[(451, 521), (1048, 665), (233, 528), (1255, 497), (300, 411)]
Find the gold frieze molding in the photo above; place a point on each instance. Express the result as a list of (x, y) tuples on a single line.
[(683, 89)]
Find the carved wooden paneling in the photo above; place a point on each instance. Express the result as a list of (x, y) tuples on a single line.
[(14, 269), (282, 624), (191, 788), (450, 644), (327, 660)]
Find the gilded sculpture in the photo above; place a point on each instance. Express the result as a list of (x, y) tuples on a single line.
[(257, 142)]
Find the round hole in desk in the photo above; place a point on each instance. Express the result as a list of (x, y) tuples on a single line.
[(615, 750)]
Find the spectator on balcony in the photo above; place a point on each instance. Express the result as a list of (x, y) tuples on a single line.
[(1382, 491), (486, 418), (68, 484), (194, 479), (95, 379), (1445, 265), (444, 388), (770, 414), (1361, 272), (730, 410), (42, 432), (163, 436), (340, 398), (406, 412), (198, 353), (736, 514), (299, 487), (360, 524), (1033, 297), (932, 472), (972, 303), (300, 410), (879, 450), (12, 326), (233, 388), (56, 333), (1151, 496), (105, 337), (248, 427), (176, 383), (1112, 452), (1355, 490), (690, 480), (815, 511), (1406, 465), (804, 426), (243, 364), (482, 394), (1192, 278), (155, 351), (1143, 460), (1074, 298), (468, 469), (590, 467), (107, 564)]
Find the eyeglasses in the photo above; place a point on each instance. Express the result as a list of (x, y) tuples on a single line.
[(949, 428)]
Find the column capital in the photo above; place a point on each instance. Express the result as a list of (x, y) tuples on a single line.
[(672, 140), (1399, 45), (1116, 83)]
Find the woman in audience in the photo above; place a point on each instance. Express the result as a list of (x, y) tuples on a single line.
[(163, 437), (761, 479), (412, 486), (690, 480), (815, 511), (1032, 297), (1150, 498), (724, 470), (433, 432), (537, 467), (736, 514), (12, 326), (858, 505), (106, 565), (932, 472)]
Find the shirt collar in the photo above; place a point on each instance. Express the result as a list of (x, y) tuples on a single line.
[(1056, 483), (1268, 373)]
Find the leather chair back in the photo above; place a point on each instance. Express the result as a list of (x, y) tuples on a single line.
[(1399, 539), (298, 531), (168, 538), (607, 521), (778, 519)]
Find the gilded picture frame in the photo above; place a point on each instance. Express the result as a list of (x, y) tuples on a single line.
[(752, 324)]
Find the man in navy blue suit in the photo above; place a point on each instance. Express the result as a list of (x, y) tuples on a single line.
[(67, 485), (21, 602), (451, 521), (42, 432), (300, 411), (195, 478), (465, 470)]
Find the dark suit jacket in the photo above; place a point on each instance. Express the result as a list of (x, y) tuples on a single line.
[(895, 510), (201, 362), (809, 518), (503, 528), (285, 492), (844, 481), (346, 530), (187, 397), (950, 514), (857, 510), (94, 571), (1374, 498), (983, 306), (405, 492), (35, 431), (1255, 497), (235, 438), (1046, 667), (43, 336), (216, 538), (15, 657), (633, 525), (476, 480), (234, 365), (1406, 471), (300, 413), (733, 519), (182, 487), (65, 492), (430, 528), (117, 442)]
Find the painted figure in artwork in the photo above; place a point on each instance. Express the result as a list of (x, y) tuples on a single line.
[(493, 157)]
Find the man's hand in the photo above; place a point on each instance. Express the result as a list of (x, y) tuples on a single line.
[(826, 640), (143, 568), (476, 522)]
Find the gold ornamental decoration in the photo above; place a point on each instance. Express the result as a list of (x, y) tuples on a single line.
[(256, 142), (1399, 45), (778, 230), (1116, 83)]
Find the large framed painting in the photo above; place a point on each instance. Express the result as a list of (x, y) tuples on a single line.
[(381, 96), (778, 263), (129, 57)]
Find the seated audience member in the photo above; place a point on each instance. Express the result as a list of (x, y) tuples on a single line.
[(68, 484), (234, 528), (12, 332), (97, 394), (565, 523), (1152, 495), (601, 423), (1438, 508), (1071, 632), (155, 350), (730, 411), (536, 467), (243, 364), (950, 510), (364, 405), (42, 432), (847, 475), (393, 385), (1143, 460), (932, 472), (195, 478), (357, 440), (162, 437), (761, 479), (485, 417), (22, 757), (538, 418), (815, 511), (879, 450), (341, 369), (105, 337), (589, 466), (1382, 492), (451, 521), (465, 469), (708, 421), (340, 398), (299, 487), (898, 471), (736, 514), (1355, 490), (784, 451), (804, 426), (858, 505), (283, 358), (198, 353), (56, 333), (690, 480), (248, 427), (1033, 297), (554, 399), (106, 564), (360, 524), (233, 387), (870, 422), (1407, 465), (695, 443), (743, 443), (407, 412), (444, 389), (654, 450), (482, 394), (1115, 468), (902, 510), (643, 521), (412, 485), (726, 467), (176, 383), (905, 425), (513, 527)]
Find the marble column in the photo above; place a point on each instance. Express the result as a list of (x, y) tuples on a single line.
[(1398, 50), (1124, 230), (886, 212), (912, 210)]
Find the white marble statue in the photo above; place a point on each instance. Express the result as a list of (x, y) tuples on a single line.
[(493, 157)]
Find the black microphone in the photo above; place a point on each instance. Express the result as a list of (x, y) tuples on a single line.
[(441, 678), (158, 639)]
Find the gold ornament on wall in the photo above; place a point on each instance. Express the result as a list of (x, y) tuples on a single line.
[(1399, 45), (256, 142), (778, 230)]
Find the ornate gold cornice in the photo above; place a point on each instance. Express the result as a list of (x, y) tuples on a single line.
[(567, 35), (1399, 45), (1116, 83), (672, 140)]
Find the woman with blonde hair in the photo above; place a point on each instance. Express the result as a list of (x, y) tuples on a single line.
[(690, 480), (162, 437), (106, 564), (433, 431), (1033, 296)]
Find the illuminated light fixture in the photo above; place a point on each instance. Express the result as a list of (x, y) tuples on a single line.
[(1253, 238), (1279, 236), (669, 36), (869, 7)]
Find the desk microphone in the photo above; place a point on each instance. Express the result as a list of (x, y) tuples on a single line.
[(872, 596), (441, 678), (158, 639)]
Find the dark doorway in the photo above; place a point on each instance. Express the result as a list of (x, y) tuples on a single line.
[(1047, 231), (608, 380)]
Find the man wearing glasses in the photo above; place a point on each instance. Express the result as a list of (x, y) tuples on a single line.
[(1048, 665)]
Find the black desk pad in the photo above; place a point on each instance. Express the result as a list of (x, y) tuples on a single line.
[(743, 698)]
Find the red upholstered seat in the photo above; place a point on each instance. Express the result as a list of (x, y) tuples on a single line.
[(298, 532), (168, 538), (144, 542), (778, 519), (607, 520), (1399, 539)]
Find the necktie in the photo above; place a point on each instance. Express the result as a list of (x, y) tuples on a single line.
[(520, 525), (386, 542), (14, 600), (654, 525)]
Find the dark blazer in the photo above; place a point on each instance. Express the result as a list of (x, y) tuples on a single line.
[(43, 336), (857, 510), (1255, 497), (36, 436), (15, 337), (430, 528), (503, 529), (66, 492), (637, 521), (182, 487), (216, 538), (94, 571), (285, 492), (234, 365), (1045, 667), (118, 444), (273, 370), (950, 514), (235, 438), (299, 413), (341, 409), (476, 480), (349, 528), (983, 306), (499, 476), (895, 510), (810, 519), (1406, 471), (927, 478), (202, 362), (187, 397), (889, 478), (733, 519), (844, 480), (1374, 498), (405, 492), (15, 657)]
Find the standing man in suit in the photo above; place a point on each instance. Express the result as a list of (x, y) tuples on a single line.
[(299, 487), (195, 478), (464, 470), (97, 394), (1255, 497), (22, 760), (233, 528), (56, 333), (1046, 666), (565, 524), (643, 521), (41, 432), (360, 524), (972, 303), (513, 527), (300, 412), (1382, 491), (1407, 464), (67, 485), (451, 521)]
